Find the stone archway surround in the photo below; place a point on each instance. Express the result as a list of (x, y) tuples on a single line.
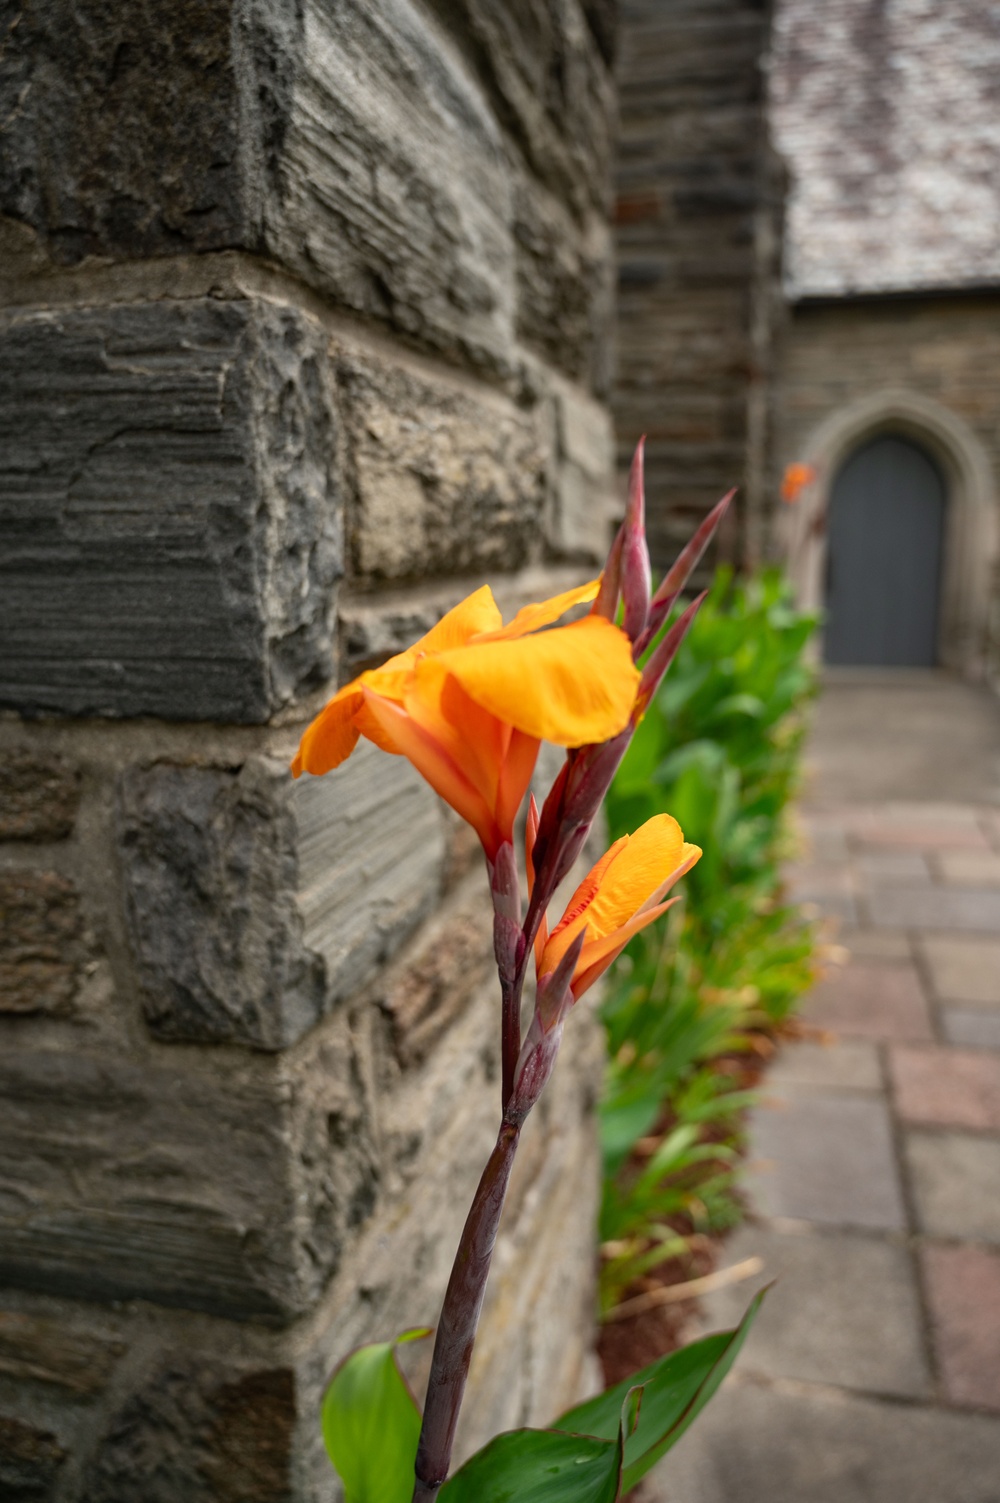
[(972, 525)]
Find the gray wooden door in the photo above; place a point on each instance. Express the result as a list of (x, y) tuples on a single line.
[(884, 540)]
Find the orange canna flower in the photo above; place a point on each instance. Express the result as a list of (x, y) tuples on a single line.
[(470, 702), (795, 480), (617, 898)]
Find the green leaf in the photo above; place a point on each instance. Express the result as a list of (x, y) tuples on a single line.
[(538, 1466), (675, 1391), (371, 1425)]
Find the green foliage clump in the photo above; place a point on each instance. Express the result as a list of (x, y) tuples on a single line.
[(719, 749)]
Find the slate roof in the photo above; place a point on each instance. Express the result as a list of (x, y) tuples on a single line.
[(888, 115)]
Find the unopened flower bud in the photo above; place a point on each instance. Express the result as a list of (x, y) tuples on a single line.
[(677, 576), (636, 575), (662, 657)]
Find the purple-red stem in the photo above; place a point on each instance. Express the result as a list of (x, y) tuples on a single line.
[(456, 1332)]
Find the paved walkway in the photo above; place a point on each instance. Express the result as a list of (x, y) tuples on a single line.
[(873, 1375)]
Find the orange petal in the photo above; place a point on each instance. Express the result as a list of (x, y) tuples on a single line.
[(596, 956), (690, 856), (476, 741), (476, 614), (433, 763), (576, 914), (332, 736), (533, 617), (571, 685), (515, 775), (650, 858)]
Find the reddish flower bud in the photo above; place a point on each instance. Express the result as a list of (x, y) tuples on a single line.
[(637, 579), (676, 577), (662, 657)]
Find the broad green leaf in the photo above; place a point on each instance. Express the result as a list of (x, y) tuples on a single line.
[(371, 1425), (547, 1466), (675, 1391)]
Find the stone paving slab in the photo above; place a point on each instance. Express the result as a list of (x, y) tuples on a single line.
[(956, 1184), (807, 1149), (876, 944), (844, 1311), (973, 1027), (907, 867), (875, 1000), (936, 908), (964, 969), (762, 1443), (946, 1087), (970, 868), (850, 1066), (963, 1291)]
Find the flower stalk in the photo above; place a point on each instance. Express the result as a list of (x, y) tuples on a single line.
[(468, 705)]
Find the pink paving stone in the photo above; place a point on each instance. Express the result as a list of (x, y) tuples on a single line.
[(963, 1290), (882, 1000), (949, 1087)]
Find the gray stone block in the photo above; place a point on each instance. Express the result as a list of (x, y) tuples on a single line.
[(170, 521), (936, 908), (123, 128), (202, 1431), (447, 480), (844, 1311), (846, 1066), (975, 1027), (210, 872), (254, 904), (565, 294), (763, 1445), (226, 1191), (956, 1184), (826, 1157), (352, 143), (30, 1461)]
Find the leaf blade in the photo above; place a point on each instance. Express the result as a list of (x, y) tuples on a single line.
[(371, 1424)]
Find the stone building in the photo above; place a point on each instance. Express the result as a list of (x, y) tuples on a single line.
[(889, 369), (698, 226), (304, 334)]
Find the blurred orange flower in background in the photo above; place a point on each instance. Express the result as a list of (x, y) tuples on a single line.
[(795, 480), (470, 702)]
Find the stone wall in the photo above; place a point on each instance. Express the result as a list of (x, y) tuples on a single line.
[(303, 333), (928, 366), (698, 236)]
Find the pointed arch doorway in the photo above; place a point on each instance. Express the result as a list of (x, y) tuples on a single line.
[(970, 548), (884, 551)]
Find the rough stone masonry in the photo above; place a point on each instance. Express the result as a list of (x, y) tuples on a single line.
[(304, 312)]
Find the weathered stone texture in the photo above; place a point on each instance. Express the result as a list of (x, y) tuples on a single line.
[(39, 794), (233, 1192), (201, 1431), (886, 114), (371, 855), (30, 1460), (40, 1349), (124, 136), (245, 1101), (169, 515), (254, 904), (446, 480), (209, 863), (42, 947), (696, 190), (350, 142)]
